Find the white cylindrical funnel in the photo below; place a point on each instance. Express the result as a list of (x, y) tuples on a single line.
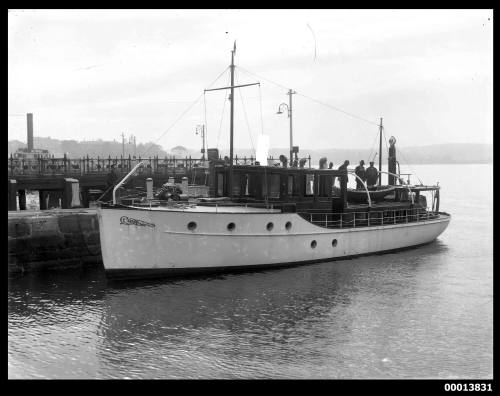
[(262, 149), (149, 188)]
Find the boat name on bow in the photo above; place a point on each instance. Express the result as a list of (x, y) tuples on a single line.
[(130, 221)]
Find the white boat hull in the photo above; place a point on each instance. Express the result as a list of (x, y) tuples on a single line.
[(142, 242)]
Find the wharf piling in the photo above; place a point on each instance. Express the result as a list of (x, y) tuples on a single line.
[(56, 239)]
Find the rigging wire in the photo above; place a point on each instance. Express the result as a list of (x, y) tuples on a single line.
[(337, 109), (373, 147), (206, 123), (261, 118), (226, 95), (246, 118), (310, 98), (184, 113), (221, 119)]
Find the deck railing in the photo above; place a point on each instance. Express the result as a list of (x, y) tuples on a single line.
[(369, 218), (329, 219)]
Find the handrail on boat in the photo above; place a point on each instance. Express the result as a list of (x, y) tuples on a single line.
[(402, 182), (382, 217), (125, 179), (364, 185)]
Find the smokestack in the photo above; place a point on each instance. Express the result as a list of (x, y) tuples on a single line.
[(30, 131), (392, 161)]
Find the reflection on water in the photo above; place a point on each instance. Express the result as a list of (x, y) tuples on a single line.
[(420, 313)]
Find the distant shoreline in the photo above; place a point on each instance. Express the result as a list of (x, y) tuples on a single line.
[(436, 154)]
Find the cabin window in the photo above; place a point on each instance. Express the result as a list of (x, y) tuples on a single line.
[(314, 244), (309, 184), (274, 185), (334, 243), (231, 226), (270, 226), (288, 225), (323, 186), (220, 184), (253, 185), (191, 226), (237, 179)]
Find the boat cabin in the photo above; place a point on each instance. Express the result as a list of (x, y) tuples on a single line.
[(312, 191), (290, 188)]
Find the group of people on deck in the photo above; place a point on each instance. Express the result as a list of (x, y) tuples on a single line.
[(368, 175)]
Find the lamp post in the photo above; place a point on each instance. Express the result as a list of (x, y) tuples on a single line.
[(289, 108), (201, 130)]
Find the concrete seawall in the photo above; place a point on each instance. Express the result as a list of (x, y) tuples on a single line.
[(53, 239)]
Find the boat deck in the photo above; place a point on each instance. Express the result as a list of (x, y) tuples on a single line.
[(207, 209)]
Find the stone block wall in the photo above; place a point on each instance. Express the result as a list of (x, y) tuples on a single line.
[(59, 239)]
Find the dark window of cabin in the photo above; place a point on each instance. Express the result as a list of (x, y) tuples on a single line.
[(323, 185), (274, 185), (296, 185), (309, 190), (265, 183), (253, 185), (220, 184), (236, 184)]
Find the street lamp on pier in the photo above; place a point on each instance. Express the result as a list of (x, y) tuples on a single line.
[(289, 110), (200, 129)]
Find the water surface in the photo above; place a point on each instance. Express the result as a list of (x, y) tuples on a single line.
[(420, 313)]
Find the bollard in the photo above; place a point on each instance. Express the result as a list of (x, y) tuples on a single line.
[(12, 194), (149, 188), (184, 185), (71, 194)]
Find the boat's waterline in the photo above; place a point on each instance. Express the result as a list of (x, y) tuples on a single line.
[(138, 242)]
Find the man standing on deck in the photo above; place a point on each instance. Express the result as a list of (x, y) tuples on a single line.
[(371, 175), (360, 172), (344, 179)]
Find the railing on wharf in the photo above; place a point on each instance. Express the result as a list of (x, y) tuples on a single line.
[(87, 165), (368, 218)]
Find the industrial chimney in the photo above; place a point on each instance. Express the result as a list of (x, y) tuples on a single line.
[(30, 131), (392, 161)]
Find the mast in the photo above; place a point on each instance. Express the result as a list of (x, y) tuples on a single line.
[(380, 155), (231, 126)]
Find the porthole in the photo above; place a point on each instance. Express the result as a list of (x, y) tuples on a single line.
[(269, 226), (313, 244), (231, 226), (288, 225), (192, 225), (334, 243)]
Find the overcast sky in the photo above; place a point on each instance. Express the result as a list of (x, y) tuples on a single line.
[(89, 75)]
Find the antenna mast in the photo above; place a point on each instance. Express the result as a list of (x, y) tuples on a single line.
[(231, 126), (380, 155)]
